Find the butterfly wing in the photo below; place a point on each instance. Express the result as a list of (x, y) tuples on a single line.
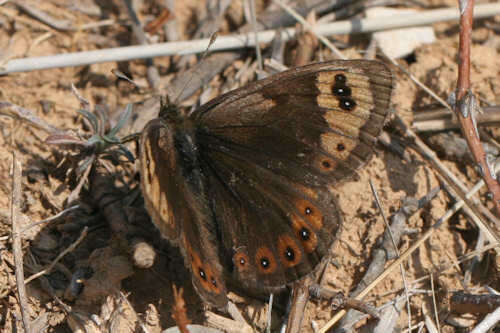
[(271, 150), (175, 201)]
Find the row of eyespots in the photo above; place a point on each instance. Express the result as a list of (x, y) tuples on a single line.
[(343, 92), (206, 277), (288, 249)]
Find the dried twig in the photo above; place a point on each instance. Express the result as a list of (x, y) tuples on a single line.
[(152, 71), (50, 219), (16, 241), (451, 180), (461, 302), (466, 106), (179, 311), (395, 248), (62, 25), (237, 42), (488, 322), (59, 257), (300, 296), (153, 26), (439, 120), (310, 28), (18, 112), (227, 325)]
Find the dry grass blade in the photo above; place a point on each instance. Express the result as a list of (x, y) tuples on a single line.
[(310, 28), (394, 244), (16, 241), (59, 257), (23, 114)]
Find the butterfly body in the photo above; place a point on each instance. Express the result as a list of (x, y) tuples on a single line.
[(241, 185)]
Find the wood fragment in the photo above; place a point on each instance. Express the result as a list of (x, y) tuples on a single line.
[(59, 256), (227, 325), (17, 250), (300, 296), (153, 26), (465, 108), (461, 302), (488, 322), (179, 311)]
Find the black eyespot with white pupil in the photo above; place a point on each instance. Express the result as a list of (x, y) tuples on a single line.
[(326, 164), (289, 254), (340, 79), (202, 274), (308, 210), (214, 282), (305, 233), (242, 262), (347, 104), (340, 147), (264, 262), (341, 91)]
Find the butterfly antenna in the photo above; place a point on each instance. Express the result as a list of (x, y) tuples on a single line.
[(205, 54)]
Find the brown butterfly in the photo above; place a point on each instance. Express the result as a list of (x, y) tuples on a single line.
[(241, 184)]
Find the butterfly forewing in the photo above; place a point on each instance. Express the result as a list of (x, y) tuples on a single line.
[(174, 197), (272, 149)]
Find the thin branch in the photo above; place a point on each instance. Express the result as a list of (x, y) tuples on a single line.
[(16, 241), (310, 28), (465, 108), (440, 120), (395, 245), (488, 322), (59, 257), (234, 42), (50, 219), (449, 179)]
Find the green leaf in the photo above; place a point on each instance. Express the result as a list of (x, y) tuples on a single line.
[(124, 116), (91, 118)]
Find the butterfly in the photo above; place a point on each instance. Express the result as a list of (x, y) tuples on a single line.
[(241, 184)]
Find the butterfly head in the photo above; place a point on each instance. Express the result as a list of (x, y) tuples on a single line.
[(169, 111)]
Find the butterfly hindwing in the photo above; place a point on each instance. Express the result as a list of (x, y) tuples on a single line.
[(287, 228)]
